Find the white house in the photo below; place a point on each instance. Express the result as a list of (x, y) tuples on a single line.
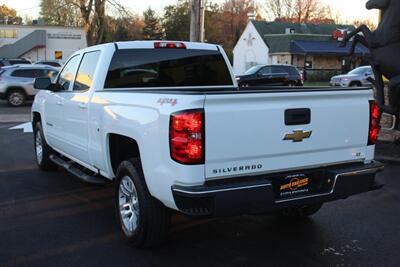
[(40, 42), (310, 46), (250, 50)]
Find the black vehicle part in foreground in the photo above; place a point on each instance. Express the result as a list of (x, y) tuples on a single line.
[(270, 193)]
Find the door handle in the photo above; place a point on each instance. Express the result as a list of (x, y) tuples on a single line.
[(297, 116), (82, 105), (60, 102)]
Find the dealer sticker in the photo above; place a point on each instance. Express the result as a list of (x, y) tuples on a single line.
[(293, 185)]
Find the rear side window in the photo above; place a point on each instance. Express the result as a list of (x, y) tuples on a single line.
[(29, 73), (167, 68), (278, 69), (84, 77), (292, 71)]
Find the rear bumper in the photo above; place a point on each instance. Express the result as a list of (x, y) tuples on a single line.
[(2, 95), (256, 194)]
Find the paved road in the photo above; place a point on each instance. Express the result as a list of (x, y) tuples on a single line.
[(12, 114), (52, 219)]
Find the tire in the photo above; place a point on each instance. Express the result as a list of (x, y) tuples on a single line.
[(16, 97), (144, 220), (301, 212), (355, 84), (42, 150)]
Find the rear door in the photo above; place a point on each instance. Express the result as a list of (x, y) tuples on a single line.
[(247, 133)]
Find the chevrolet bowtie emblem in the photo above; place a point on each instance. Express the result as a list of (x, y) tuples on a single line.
[(297, 135)]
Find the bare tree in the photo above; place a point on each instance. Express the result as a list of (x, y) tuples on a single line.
[(93, 17), (298, 11)]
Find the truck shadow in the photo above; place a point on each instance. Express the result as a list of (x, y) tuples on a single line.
[(57, 216)]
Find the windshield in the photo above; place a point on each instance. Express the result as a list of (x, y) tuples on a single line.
[(253, 69), (358, 71)]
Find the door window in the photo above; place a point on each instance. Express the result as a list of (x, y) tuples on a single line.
[(278, 70), (67, 74), (84, 77), (266, 71)]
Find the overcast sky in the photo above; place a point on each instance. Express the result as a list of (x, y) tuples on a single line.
[(349, 9)]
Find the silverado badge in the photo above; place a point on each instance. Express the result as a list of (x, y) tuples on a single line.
[(298, 135)]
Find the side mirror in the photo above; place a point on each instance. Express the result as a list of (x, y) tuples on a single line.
[(43, 83)]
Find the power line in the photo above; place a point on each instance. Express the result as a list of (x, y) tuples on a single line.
[(29, 8)]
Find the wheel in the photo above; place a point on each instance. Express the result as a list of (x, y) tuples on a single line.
[(303, 211), (16, 98), (355, 84), (144, 220), (42, 150)]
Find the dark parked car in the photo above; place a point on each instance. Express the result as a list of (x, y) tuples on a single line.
[(53, 63), (13, 61), (284, 75)]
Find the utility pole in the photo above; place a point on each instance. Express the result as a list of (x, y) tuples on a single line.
[(197, 21)]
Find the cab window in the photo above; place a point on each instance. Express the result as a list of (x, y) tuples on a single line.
[(84, 77), (68, 73)]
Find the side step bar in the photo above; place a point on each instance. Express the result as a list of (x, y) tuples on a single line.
[(69, 166)]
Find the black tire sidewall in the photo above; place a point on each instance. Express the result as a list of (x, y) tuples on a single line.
[(154, 218), (128, 168), (46, 164)]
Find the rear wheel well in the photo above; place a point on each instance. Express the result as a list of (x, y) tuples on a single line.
[(355, 83), (121, 148), (15, 88)]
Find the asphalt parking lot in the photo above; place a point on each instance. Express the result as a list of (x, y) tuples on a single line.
[(53, 219)]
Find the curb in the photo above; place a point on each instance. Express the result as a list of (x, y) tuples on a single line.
[(388, 159)]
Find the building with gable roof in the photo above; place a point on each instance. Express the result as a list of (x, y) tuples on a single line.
[(307, 46)]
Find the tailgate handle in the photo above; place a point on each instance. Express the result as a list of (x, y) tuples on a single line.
[(297, 116)]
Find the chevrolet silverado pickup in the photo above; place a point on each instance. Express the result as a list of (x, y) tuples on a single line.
[(168, 123)]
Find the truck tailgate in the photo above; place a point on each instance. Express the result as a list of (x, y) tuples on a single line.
[(246, 132)]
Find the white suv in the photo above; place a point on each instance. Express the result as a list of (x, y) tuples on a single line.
[(16, 82)]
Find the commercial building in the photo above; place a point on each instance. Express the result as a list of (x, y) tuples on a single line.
[(40, 42), (307, 46)]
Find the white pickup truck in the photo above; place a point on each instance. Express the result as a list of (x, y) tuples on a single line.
[(167, 121)]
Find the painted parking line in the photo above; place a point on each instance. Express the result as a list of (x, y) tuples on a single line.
[(26, 127)]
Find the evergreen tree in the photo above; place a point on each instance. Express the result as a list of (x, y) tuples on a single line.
[(152, 25)]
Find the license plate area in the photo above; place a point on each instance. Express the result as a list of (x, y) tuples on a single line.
[(294, 185)]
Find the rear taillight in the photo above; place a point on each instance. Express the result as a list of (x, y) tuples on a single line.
[(169, 45), (374, 127), (186, 137)]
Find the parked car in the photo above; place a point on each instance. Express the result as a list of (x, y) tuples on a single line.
[(166, 121), (53, 63), (13, 61), (357, 77), (283, 75), (16, 82)]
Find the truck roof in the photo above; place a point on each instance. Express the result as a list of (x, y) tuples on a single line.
[(150, 44)]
